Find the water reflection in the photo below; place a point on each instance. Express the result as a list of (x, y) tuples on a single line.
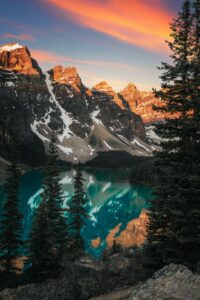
[(113, 206)]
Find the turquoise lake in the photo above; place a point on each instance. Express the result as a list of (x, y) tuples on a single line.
[(111, 201)]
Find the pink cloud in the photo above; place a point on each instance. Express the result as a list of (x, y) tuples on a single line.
[(20, 37), (143, 23), (53, 58)]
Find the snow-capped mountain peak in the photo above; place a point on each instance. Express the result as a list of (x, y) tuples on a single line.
[(10, 47), (87, 122)]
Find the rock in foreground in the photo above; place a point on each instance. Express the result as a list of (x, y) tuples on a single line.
[(87, 280), (173, 282)]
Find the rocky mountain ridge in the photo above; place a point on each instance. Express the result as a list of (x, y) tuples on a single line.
[(139, 102), (16, 57), (87, 122)]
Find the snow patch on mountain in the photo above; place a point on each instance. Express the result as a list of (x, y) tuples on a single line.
[(10, 47), (142, 145), (9, 84), (151, 135), (64, 115), (108, 146), (35, 128), (106, 187), (94, 117)]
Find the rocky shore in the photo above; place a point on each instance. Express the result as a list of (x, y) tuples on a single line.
[(116, 277)]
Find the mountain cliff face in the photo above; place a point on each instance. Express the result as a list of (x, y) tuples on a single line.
[(18, 58), (87, 122), (141, 103)]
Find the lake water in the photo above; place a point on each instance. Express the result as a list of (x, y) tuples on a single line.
[(112, 201)]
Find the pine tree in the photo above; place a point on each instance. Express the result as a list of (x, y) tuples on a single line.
[(174, 226), (77, 216), (40, 251), (116, 247), (196, 64), (11, 220), (48, 237), (54, 195)]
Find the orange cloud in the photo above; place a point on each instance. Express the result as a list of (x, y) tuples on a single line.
[(141, 23), (53, 58), (21, 37)]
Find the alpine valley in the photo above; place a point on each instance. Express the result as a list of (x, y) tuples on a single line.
[(89, 123)]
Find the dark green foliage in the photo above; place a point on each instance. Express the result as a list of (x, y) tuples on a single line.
[(48, 238), (174, 229), (11, 220), (40, 248), (116, 247), (77, 216)]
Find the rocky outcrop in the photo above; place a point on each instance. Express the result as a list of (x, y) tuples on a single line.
[(104, 88), (24, 99), (146, 111), (87, 122), (81, 280), (141, 103), (68, 76), (87, 279), (14, 57), (173, 282), (78, 283), (130, 94)]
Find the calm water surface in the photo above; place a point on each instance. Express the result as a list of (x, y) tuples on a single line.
[(111, 201)]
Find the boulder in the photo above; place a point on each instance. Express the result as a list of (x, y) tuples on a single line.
[(173, 282)]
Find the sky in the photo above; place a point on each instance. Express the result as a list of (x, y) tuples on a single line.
[(119, 41)]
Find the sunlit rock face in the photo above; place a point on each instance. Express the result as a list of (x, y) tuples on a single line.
[(130, 94), (105, 88), (14, 57), (145, 108), (141, 103), (86, 122), (95, 243), (173, 282), (68, 76), (134, 234)]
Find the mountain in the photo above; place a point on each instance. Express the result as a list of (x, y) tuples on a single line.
[(141, 103), (16, 57), (87, 121)]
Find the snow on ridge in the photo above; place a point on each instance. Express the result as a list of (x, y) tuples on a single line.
[(108, 146), (150, 132), (94, 117), (106, 187), (122, 138), (35, 130), (141, 144), (91, 181), (64, 115), (92, 150), (10, 47), (9, 84), (64, 149)]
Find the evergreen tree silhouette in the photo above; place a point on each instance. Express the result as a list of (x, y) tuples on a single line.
[(77, 216), (174, 227), (48, 238), (11, 219)]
